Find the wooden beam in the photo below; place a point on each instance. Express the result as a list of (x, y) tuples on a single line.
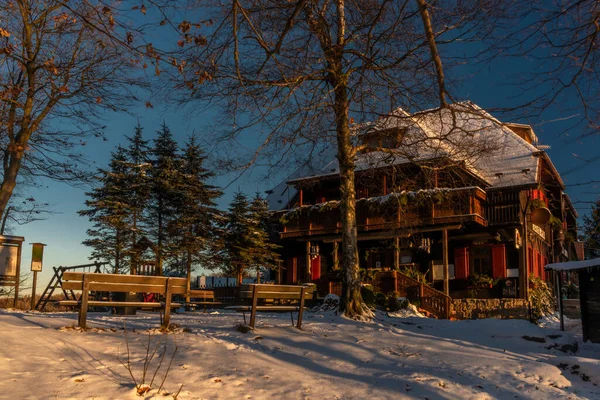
[(396, 253), (445, 261), (308, 261), (300, 197), (336, 260)]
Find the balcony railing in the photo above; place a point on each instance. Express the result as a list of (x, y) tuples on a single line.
[(390, 212)]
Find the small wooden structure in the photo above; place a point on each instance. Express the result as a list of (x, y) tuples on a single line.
[(285, 293), (10, 262), (121, 283), (589, 294), (56, 282), (202, 297)]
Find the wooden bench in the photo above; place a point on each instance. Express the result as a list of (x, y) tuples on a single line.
[(87, 282), (257, 292), (201, 297)]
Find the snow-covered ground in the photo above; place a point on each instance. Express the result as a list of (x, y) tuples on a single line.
[(41, 356)]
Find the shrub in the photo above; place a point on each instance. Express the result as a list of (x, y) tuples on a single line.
[(393, 303), (367, 294), (541, 298), (380, 300), (415, 274)]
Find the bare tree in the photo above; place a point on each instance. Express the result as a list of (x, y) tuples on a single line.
[(61, 65), (305, 75), (560, 41)]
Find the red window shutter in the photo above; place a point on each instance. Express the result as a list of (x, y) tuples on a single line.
[(461, 263), (536, 264), (498, 261), (315, 268)]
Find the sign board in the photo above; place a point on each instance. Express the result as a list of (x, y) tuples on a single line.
[(510, 288), (8, 260), (438, 271), (37, 254), (539, 231)]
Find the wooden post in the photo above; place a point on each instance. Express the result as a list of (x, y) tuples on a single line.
[(83, 306), (384, 191), (308, 260), (254, 304), (301, 310), (300, 197), (421, 293), (396, 253), (448, 304), (33, 290), (445, 261), (18, 277), (336, 259), (168, 296)]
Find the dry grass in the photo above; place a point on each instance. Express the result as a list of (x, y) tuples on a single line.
[(24, 303)]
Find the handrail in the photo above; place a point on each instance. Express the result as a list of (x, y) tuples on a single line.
[(432, 300)]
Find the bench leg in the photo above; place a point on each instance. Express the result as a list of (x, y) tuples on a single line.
[(83, 306), (301, 309), (292, 317), (244, 314), (254, 304), (168, 296)]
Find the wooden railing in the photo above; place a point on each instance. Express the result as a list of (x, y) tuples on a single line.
[(503, 207), (431, 300), (464, 205)]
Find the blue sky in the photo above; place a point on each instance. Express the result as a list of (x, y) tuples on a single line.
[(487, 87)]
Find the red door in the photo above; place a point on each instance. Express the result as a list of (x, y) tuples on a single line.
[(315, 268)]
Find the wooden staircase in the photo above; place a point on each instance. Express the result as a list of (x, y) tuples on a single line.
[(431, 300)]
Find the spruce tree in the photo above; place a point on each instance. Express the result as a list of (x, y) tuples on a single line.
[(263, 251), (237, 242), (165, 179), (109, 211), (138, 191), (194, 228), (591, 232)]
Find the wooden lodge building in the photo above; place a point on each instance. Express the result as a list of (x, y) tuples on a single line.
[(447, 193)]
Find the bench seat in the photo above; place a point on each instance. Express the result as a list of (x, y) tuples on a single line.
[(267, 293), (265, 308), (95, 303)]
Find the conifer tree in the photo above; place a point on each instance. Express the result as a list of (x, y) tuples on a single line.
[(109, 211), (237, 242), (591, 232), (195, 226), (263, 251), (165, 178), (138, 191)]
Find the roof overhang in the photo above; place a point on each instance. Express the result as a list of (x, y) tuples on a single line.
[(574, 265)]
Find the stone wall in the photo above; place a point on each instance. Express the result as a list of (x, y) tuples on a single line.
[(489, 308)]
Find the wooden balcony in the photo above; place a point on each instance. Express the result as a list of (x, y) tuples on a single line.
[(503, 208), (452, 207)]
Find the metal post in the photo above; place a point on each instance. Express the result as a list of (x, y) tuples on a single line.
[(560, 300)]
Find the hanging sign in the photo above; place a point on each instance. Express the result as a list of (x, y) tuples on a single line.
[(37, 254)]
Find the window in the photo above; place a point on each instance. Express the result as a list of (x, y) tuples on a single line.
[(384, 139), (482, 260)]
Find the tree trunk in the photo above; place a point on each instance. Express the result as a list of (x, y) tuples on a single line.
[(238, 273), (9, 180), (351, 302), (188, 264)]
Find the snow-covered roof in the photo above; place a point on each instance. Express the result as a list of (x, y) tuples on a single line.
[(573, 265), (463, 133)]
